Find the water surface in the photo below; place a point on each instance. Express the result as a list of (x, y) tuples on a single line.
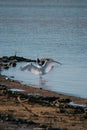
[(47, 28)]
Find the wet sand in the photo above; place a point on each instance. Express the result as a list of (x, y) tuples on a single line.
[(29, 108)]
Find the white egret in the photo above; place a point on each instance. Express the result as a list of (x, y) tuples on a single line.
[(41, 67)]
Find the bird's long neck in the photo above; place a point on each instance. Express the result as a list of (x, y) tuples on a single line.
[(38, 60)]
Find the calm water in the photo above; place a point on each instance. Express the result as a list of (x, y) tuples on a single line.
[(47, 28)]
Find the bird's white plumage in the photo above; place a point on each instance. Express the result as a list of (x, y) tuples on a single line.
[(48, 66), (30, 67), (37, 69)]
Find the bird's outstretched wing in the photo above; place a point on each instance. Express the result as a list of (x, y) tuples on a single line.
[(32, 68), (48, 66)]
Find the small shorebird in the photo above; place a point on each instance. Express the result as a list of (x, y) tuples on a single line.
[(41, 67)]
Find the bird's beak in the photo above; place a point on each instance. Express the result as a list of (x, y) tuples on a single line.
[(58, 62)]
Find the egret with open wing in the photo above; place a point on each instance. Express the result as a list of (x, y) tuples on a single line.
[(38, 68)]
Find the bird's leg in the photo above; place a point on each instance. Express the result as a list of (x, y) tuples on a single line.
[(40, 79), (40, 76)]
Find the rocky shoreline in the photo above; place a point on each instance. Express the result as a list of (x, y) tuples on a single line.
[(31, 108)]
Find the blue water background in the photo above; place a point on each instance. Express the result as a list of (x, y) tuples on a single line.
[(47, 28)]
